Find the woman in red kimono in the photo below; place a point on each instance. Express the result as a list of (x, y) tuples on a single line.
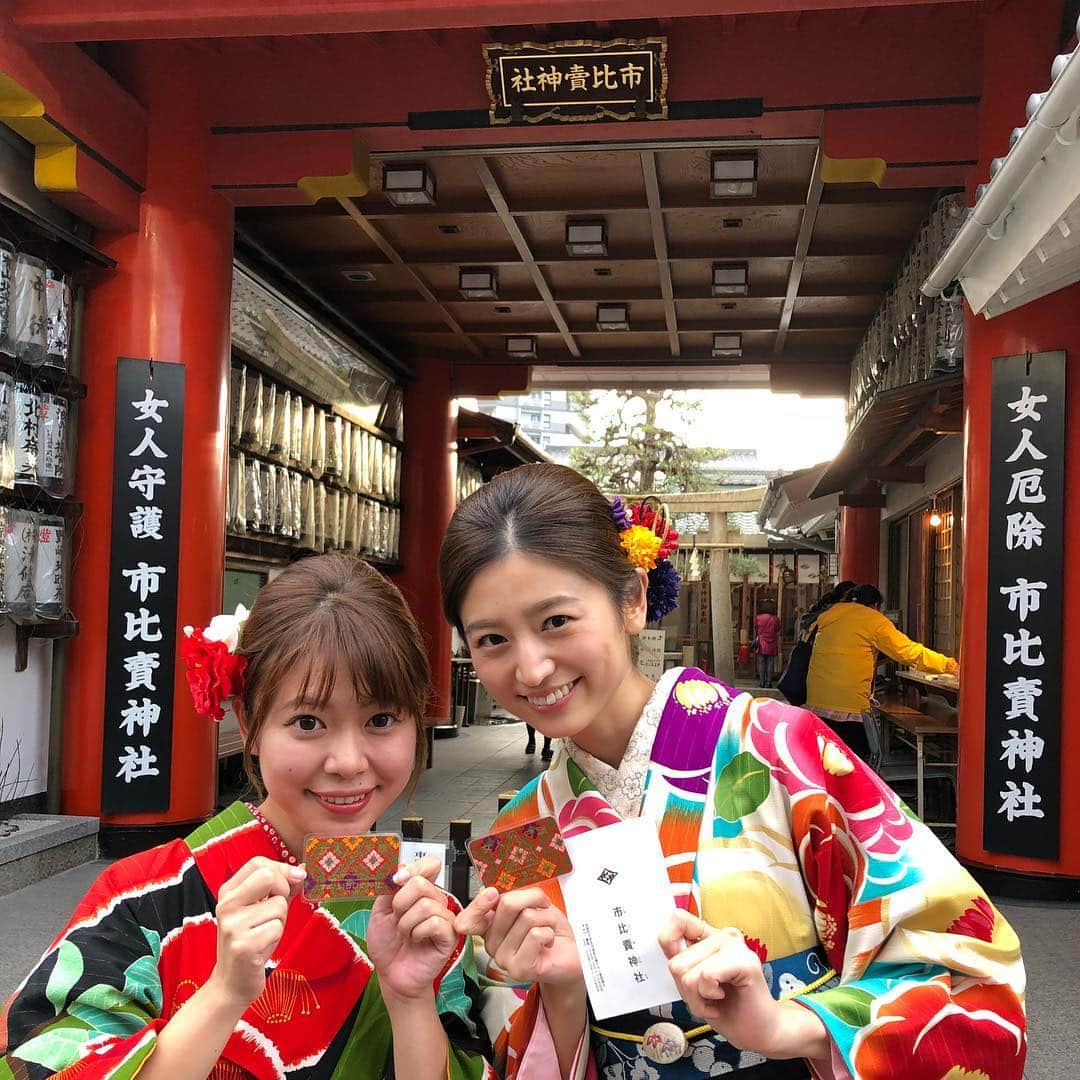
[(200, 958)]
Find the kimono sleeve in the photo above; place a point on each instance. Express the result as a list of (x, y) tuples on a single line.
[(93, 1005), (931, 977), (523, 1045), (513, 1012), (459, 1003)]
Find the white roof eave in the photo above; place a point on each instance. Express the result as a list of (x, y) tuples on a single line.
[(1022, 238)]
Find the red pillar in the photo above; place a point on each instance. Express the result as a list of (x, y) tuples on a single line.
[(168, 299), (1018, 47), (860, 544), (1045, 325), (429, 488)]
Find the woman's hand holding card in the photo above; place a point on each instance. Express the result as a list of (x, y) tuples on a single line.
[(526, 935)]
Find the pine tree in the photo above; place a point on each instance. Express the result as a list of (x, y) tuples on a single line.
[(630, 451)]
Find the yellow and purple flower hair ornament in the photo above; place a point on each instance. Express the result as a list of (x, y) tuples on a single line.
[(646, 536)]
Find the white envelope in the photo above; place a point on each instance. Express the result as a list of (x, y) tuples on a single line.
[(411, 850), (618, 898)]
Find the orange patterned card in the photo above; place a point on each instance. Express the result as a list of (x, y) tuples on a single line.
[(350, 867), (524, 855)]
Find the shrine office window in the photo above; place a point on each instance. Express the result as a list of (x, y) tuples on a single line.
[(946, 562)]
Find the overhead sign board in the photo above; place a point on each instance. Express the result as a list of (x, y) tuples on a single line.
[(577, 81)]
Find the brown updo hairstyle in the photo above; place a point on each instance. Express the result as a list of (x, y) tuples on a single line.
[(549, 511), (329, 614)]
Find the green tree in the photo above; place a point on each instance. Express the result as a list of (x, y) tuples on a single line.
[(630, 450)]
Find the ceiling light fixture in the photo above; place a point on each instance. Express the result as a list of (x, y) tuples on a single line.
[(409, 184), (733, 176), (727, 346), (521, 348), (478, 283), (730, 279), (586, 238), (358, 277), (612, 316)]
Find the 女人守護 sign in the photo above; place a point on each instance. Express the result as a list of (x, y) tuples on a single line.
[(143, 566)]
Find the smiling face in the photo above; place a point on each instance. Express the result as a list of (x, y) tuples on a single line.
[(331, 767), (551, 647)]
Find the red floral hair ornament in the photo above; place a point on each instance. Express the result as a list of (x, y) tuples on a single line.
[(646, 535), (653, 515), (215, 672)]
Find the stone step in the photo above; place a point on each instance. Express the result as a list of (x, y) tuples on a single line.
[(35, 846)]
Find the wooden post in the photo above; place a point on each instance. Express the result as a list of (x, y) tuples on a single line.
[(412, 828), (458, 859), (780, 615)]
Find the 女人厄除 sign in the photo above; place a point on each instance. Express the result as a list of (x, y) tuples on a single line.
[(1022, 793)]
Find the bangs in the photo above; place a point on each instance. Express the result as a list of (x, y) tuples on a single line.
[(383, 663)]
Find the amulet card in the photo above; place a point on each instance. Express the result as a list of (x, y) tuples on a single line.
[(350, 867), (521, 856)]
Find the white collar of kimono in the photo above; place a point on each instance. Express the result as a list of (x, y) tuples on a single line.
[(624, 787)]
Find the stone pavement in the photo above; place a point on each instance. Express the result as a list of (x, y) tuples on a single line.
[(469, 772)]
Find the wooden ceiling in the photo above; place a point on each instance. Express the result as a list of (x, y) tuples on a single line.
[(819, 256)]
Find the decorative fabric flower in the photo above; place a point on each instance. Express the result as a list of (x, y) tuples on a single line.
[(584, 813), (619, 514), (642, 546), (662, 594), (649, 542), (215, 673), (226, 628), (917, 1029), (757, 947), (977, 921)]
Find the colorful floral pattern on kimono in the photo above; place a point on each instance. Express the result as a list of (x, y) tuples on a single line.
[(144, 939), (771, 825)]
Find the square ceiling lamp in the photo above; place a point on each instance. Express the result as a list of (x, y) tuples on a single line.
[(586, 238), (521, 348), (727, 346), (409, 184), (730, 279), (478, 283), (733, 176), (612, 316)]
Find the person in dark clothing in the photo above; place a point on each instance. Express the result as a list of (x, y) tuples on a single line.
[(530, 746), (840, 592)]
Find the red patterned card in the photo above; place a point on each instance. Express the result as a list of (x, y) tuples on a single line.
[(350, 867), (524, 855)]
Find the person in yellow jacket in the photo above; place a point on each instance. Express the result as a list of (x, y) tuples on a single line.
[(840, 681)]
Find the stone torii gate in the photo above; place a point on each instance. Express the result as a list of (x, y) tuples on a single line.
[(718, 504)]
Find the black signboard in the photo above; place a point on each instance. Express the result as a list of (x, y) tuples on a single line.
[(574, 81), (1022, 795), (143, 565)]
